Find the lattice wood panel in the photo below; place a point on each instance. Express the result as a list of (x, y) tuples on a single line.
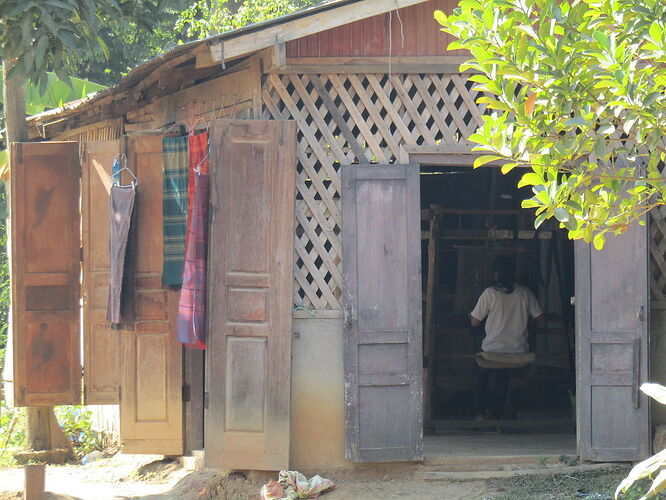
[(356, 118), (657, 244)]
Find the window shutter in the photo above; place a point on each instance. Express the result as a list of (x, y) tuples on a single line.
[(101, 344), (151, 405), (250, 287), (45, 271)]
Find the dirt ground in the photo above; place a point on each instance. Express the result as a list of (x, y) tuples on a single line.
[(151, 478)]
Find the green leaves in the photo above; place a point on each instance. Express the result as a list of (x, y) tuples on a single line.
[(54, 35), (652, 465), (205, 17), (577, 92)]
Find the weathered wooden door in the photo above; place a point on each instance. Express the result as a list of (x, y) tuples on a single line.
[(46, 269), (612, 348), (381, 237), (253, 168), (151, 406), (101, 344)]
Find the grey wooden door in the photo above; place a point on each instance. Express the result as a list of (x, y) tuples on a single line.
[(612, 348), (382, 313)]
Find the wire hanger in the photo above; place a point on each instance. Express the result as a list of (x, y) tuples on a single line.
[(199, 119), (115, 178), (197, 169)]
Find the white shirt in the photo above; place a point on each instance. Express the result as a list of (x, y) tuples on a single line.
[(506, 327)]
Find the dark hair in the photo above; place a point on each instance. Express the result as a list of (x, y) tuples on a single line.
[(505, 268)]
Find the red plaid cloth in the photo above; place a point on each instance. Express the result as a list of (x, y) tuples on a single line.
[(197, 147), (191, 323)]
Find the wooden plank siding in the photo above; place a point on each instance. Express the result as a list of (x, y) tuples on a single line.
[(410, 31)]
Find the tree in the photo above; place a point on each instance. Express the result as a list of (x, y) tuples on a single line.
[(207, 17), (576, 94), (130, 43), (38, 36)]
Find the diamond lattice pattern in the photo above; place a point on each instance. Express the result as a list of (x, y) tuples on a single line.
[(353, 118)]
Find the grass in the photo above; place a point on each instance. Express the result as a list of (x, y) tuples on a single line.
[(597, 485)]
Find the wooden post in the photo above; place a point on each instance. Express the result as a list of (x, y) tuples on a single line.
[(429, 323), (33, 488)]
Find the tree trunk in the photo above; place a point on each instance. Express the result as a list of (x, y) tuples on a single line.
[(39, 418)]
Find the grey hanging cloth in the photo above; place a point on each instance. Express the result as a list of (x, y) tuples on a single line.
[(122, 206)]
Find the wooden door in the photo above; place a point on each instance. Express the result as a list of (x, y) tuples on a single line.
[(253, 167), (151, 407), (612, 348), (45, 271), (381, 236), (101, 344)]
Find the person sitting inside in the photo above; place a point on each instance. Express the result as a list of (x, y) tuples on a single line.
[(507, 307)]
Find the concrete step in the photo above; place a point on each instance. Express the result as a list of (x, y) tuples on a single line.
[(479, 475), (488, 462)]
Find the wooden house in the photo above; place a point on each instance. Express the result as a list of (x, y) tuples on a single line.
[(349, 238)]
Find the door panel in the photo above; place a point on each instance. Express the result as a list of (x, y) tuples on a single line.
[(101, 344), (250, 275), (151, 406), (612, 348), (382, 308), (45, 271)]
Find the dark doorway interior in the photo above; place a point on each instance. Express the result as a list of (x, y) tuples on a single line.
[(475, 216)]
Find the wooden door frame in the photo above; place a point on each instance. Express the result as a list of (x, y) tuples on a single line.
[(461, 156)]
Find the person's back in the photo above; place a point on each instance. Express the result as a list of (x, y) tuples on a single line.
[(508, 307), (507, 315)]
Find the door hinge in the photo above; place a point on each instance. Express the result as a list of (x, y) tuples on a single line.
[(81, 253), (120, 392), (187, 394), (206, 400)]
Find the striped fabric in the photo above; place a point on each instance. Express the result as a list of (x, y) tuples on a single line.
[(174, 208), (191, 323)]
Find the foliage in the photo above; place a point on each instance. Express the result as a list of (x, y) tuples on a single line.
[(4, 279), (76, 421), (56, 93), (564, 81), (53, 35), (207, 17), (129, 44), (12, 433), (656, 464)]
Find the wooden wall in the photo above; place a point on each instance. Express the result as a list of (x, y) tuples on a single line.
[(410, 31)]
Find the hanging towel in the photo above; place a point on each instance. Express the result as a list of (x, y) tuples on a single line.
[(198, 152), (174, 208), (191, 323), (121, 208)]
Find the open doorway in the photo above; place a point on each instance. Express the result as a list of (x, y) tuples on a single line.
[(469, 217)]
